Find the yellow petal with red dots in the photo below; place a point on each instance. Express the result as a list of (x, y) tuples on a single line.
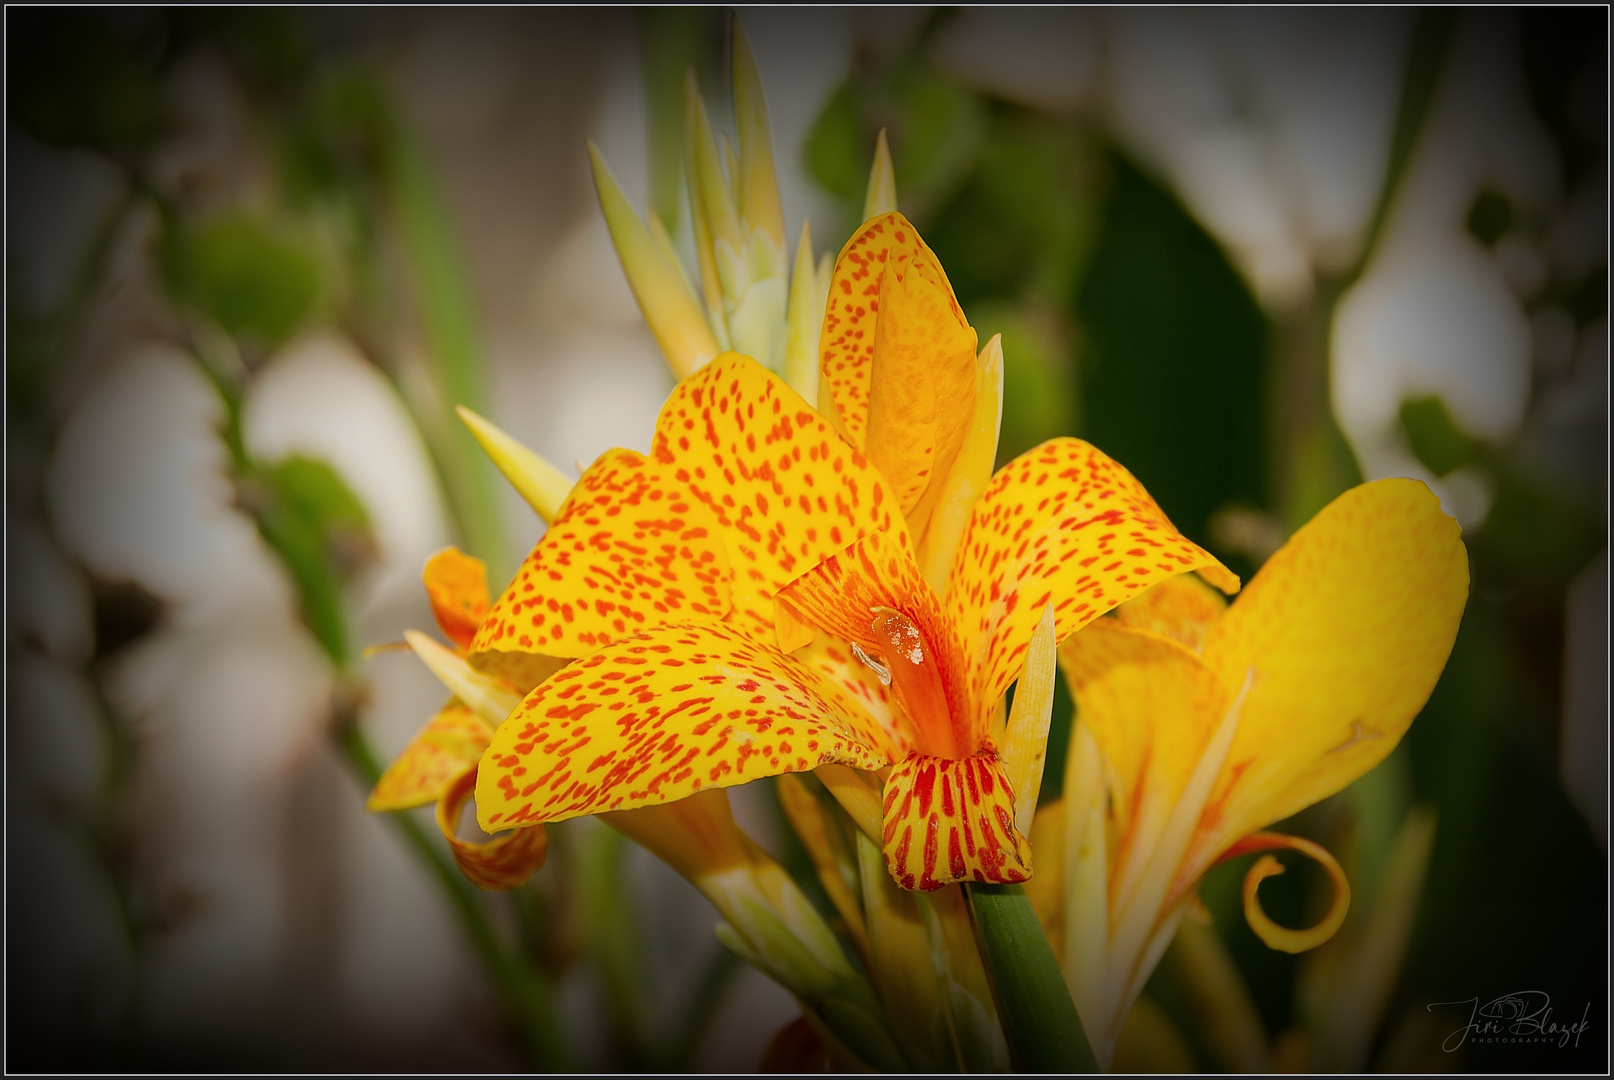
[(457, 586), (873, 597), (951, 819), (659, 716), (631, 549), (1281, 937), (505, 861), (1152, 708), (921, 383), (448, 746), (1062, 524), (1182, 608), (846, 343), (781, 487), (1347, 627)]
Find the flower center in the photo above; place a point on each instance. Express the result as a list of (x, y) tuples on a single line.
[(909, 666)]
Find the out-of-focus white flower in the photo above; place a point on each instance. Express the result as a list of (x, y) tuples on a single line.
[(319, 397), (49, 601), (1434, 314), (1273, 125)]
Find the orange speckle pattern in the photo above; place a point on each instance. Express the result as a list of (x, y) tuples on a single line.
[(846, 342), (1061, 524), (842, 596), (457, 586), (780, 486), (630, 549), (951, 820), (448, 746), (659, 716), (504, 862)]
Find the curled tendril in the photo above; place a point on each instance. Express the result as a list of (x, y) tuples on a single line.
[(1281, 937)]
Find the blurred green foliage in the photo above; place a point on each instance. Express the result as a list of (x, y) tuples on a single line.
[(73, 80), (1435, 437), (249, 275)]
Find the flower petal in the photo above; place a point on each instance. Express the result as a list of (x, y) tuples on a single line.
[(543, 486), (846, 595), (783, 489), (448, 746), (1280, 937), (504, 862), (1061, 524), (846, 344), (1347, 626), (629, 550), (1182, 608), (659, 716), (457, 586), (1152, 708), (952, 819)]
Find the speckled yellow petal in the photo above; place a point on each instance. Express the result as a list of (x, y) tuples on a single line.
[(1151, 707), (659, 716), (1182, 608), (781, 488), (1281, 937), (872, 597), (1347, 627), (846, 343), (970, 474), (448, 746), (1061, 524), (457, 586), (950, 820), (631, 549), (504, 862), (921, 382)]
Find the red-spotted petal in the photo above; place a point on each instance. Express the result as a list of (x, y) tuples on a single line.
[(659, 716), (846, 342), (873, 596), (504, 862), (629, 550), (448, 746), (783, 489), (1061, 524), (457, 586), (952, 820)]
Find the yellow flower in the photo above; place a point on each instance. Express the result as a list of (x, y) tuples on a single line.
[(678, 585), (1199, 724)]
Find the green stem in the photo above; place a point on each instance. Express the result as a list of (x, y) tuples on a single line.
[(1039, 1020), (529, 993)]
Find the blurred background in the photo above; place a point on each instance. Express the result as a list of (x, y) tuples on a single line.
[(254, 256)]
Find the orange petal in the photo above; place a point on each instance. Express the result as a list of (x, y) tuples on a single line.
[(1280, 937), (1066, 525), (504, 862), (782, 488), (448, 746), (457, 586), (846, 344), (659, 716), (1182, 608), (873, 596), (1347, 627), (922, 382), (950, 820), (629, 550)]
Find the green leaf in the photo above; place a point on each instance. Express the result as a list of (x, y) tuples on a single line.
[(257, 282)]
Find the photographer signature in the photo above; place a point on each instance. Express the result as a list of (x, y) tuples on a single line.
[(1523, 1016)]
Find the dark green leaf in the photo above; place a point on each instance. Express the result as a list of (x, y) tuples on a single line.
[(256, 282), (1435, 437)]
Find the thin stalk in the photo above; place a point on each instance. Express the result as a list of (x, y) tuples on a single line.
[(1040, 1022)]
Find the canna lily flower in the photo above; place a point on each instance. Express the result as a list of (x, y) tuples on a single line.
[(686, 588), (439, 764), (1199, 724)]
